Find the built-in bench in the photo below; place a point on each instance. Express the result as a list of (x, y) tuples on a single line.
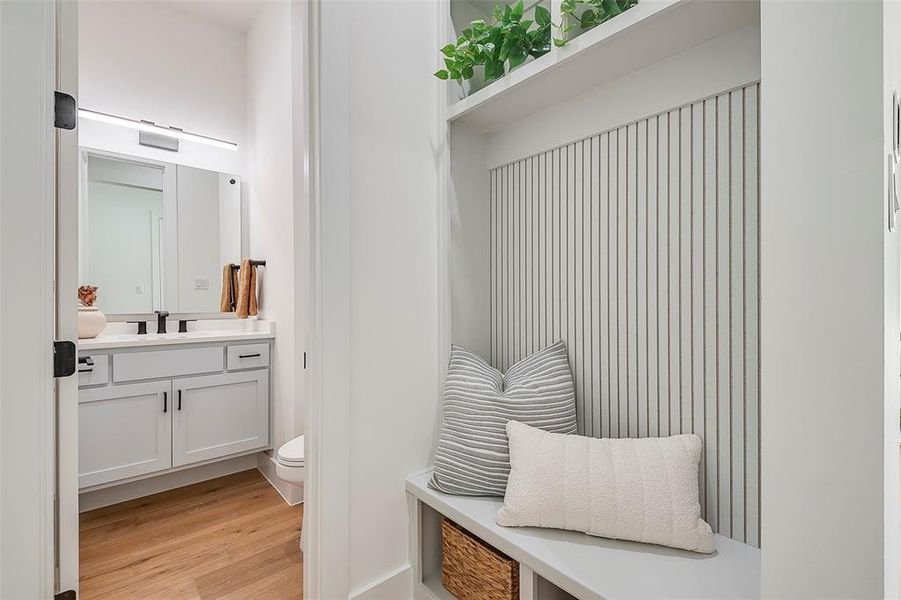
[(562, 564)]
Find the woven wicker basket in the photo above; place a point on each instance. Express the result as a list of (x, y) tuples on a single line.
[(473, 570)]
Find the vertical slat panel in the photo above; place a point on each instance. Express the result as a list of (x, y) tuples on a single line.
[(640, 248), (568, 241), (736, 311), (615, 362), (523, 197), (517, 261), (622, 220), (503, 270), (547, 301), (536, 255), (576, 259), (752, 318), (556, 228), (604, 326), (686, 400), (698, 395), (674, 269), (527, 259), (597, 331), (492, 273), (653, 355), (663, 270), (711, 381), (585, 299), (641, 272), (724, 388), (631, 280)]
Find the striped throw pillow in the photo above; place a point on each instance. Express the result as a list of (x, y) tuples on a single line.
[(472, 458)]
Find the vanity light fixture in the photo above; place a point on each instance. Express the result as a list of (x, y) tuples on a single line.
[(150, 127)]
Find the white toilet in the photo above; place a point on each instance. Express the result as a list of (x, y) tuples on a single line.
[(289, 461)]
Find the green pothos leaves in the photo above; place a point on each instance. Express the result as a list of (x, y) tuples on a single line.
[(504, 45)]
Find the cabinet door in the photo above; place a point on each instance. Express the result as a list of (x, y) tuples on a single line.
[(218, 415), (124, 431)]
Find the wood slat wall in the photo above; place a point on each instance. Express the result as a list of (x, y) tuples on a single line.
[(639, 246)]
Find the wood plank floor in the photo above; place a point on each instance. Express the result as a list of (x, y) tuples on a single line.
[(228, 538)]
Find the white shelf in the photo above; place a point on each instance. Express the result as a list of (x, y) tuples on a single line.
[(649, 32), (596, 568)]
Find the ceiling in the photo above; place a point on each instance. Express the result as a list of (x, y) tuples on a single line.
[(237, 15)]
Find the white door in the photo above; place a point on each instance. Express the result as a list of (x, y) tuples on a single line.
[(28, 54), (124, 431), (218, 415)]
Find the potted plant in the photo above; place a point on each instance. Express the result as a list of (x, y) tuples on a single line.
[(91, 320), (494, 50), (583, 15)]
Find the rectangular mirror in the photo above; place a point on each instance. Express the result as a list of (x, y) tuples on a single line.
[(156, 236)]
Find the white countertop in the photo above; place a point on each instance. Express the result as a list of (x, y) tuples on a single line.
[(206, 331)]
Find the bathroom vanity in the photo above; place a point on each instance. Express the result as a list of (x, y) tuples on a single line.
[(151, 404)]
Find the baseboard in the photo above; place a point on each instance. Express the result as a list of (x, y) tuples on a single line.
[(397, 585), (292, 494), (166, 481)]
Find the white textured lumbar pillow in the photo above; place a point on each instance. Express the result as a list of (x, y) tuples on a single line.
[(643, 489)]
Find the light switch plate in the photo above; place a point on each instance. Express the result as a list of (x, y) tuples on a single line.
[(201, 283)]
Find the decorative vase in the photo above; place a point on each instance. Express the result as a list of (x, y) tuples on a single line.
[(91, 322)]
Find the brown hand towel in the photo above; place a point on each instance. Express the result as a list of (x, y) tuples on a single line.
[(252, 307), (236, 281), (247, 290), (227, 298)]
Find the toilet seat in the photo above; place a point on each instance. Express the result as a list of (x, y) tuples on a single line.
[(291, 453)]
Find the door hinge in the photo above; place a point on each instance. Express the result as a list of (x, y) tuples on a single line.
[(64, 354), (67, 595), (65, 111)]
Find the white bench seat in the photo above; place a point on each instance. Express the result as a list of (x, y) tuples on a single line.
[(589, 567)]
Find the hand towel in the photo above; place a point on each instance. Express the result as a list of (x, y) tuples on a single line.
[(235, 285), (227, 298), (247, 290)]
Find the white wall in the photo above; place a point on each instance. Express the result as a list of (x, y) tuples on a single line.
[(146, 60), (393, 244), (726, 62), (378, 292), (270, 188), (830, 302)]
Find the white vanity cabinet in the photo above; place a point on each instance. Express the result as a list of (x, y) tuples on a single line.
[(219, 415), (123, 431), (146, 411)]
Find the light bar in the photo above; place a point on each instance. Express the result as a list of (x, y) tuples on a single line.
[(150, 127)]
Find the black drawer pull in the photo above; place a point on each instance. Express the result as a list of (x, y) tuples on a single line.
[(179, 399), (256, 355), (165, 402), (91, 370)]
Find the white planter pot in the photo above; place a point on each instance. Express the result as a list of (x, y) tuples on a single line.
[(471, 86), (91, 322)]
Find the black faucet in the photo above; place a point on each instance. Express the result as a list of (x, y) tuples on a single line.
[(161, 320)]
